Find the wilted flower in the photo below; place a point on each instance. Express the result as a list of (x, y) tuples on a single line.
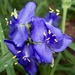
[(18, 32), (48, 39), (25, 56)]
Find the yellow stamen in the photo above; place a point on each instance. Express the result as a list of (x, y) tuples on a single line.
[(44, 34), (56, 40), (57, 14), (16, 63), (48, 39), (19, 51), (57, 10), (54, 35), (14, 57), (49, 32), (28, 60), (24, 57), (10, 22), (51, 10), (6, 19), (12, 13), (7, 22)]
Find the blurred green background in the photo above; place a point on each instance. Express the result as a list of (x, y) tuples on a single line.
[(66, 65)]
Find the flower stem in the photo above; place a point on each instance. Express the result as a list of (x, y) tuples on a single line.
[(64, 19), (59, 54)]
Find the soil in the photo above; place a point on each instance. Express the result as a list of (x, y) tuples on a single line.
[(70, 28)]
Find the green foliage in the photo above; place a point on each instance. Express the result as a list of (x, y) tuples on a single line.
[(72, 46), (6, 60)]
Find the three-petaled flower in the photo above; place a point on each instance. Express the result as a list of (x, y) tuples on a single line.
[(48, 38), (18, 32), (25, 56)]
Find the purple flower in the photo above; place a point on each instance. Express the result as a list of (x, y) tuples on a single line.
[(25, 56), (18, 32), (48, 39), (52, 16)]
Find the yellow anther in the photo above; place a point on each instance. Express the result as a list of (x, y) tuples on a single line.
[(49, 32), (15, 13), (12, 13), (51, 10), (57, 14), (24, 57), (6, 19), (19, 51), (44, 34), (54, 35), (7, 22), (55, 40), (10, 22), (48, 39), (57, 10), (16, 63), (28, 60), (14, 57)]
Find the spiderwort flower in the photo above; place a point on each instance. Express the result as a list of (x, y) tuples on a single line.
[(25, 56), (52, 16), (48, 39), (18, 32)]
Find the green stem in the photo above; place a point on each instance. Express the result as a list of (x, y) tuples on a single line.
[(63, 29), (64, 19)]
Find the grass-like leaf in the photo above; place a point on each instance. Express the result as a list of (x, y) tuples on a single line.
[(72, 46), (4, 51)]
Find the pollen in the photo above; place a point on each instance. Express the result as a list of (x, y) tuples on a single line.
[(16, 63), (7, 22), (57, 14), (57, 10), (15, 13), (12, 13), (14, 57), (49, 32), (6, 19), (51, 10), (19, 51), (44, 34)]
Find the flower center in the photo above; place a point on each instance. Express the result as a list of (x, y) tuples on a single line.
[(20, 55), (50, 37)]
